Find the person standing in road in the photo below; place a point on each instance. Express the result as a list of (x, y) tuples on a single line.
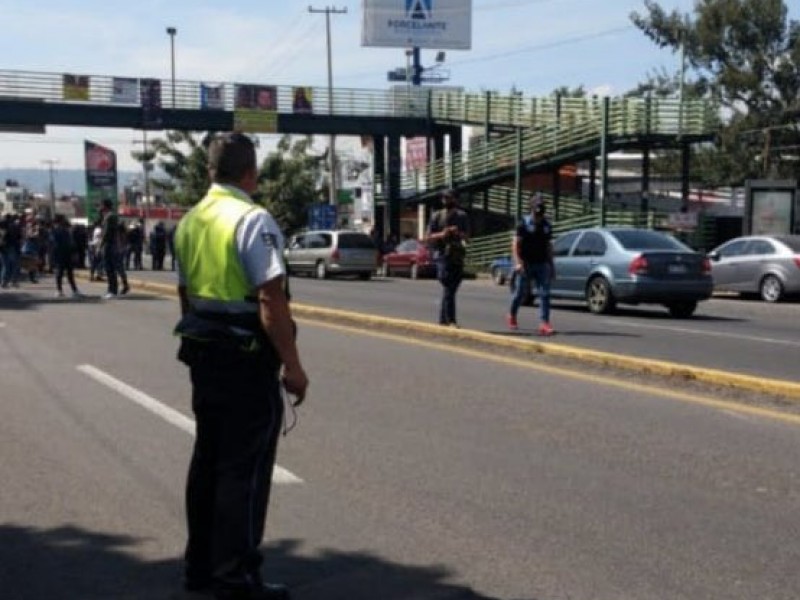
[(448, 233), (238, 339), (62, 255), (532, 253), (110, 247)]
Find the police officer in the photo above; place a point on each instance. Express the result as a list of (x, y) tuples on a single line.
[(238, 339)]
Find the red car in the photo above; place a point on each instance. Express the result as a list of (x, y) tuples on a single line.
[(410, 257)]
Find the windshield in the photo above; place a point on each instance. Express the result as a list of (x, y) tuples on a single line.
[(640, 239)]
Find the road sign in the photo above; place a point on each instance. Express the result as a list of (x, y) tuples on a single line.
[(322, 216)]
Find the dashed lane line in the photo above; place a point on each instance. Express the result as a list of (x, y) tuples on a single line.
[(170, 415)]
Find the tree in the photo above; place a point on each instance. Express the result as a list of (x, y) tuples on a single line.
[(183, 157), (288, 181), (745, 55)]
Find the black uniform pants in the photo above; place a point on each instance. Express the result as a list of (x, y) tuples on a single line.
[(238, 407)]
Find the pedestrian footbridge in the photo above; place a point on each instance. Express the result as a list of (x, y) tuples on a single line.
[(522, 135)]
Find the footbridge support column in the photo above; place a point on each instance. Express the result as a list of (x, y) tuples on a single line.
[(379, 185), (393, 196)]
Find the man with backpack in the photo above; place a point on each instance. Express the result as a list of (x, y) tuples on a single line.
[(448, 232), (532, 253)]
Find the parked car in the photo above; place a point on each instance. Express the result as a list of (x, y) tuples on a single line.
[(410, 257), (501, 269), (768, 265), (331, 252), (609, 266)]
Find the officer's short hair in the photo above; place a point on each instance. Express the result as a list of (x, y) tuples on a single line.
[(231, 156)]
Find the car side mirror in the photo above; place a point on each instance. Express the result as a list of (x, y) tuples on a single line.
[(714, 256)]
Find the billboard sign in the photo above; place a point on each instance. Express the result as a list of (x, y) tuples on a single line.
[(101, 177), (434, 24)]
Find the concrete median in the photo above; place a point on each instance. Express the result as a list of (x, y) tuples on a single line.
[(670, 370)]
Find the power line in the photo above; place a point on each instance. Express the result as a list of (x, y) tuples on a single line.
[(546, 46)]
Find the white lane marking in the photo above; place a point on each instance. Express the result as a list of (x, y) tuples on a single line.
[(2, 325), (170, 415), (750, 338)]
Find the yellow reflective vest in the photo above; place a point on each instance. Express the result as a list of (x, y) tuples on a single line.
[(205, 244)]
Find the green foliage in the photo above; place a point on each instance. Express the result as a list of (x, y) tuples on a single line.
[(182, 156), (745, 55), (288, 181)]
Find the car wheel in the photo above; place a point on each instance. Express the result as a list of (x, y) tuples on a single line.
[(498, 276), (365, 276), (321, 271), (414, 271), (682, 310), (599, 297), (771, 289)]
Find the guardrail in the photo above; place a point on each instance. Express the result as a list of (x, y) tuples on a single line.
[(513, 110), (211, 95)]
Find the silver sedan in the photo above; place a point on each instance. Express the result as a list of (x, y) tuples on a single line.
[(768, 265)]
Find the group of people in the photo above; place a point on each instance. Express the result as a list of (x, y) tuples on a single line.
[(33, 245), (531, 251)]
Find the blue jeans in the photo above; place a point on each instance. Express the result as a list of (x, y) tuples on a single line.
[(540, 274), (450, 276), (10, 273)]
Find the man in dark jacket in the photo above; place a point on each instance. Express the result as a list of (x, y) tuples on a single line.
[(448, 232)]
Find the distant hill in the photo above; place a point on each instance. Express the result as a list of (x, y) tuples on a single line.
[(66, 181)]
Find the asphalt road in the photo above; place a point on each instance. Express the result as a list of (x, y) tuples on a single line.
[(424, 471), (727, 333), (731, 334)]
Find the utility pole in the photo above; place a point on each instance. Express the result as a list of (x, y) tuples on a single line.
[(171, 31), (52, 162), (330, 10)]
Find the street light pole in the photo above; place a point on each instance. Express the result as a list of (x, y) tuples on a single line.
[(172, 31), (328, 10)]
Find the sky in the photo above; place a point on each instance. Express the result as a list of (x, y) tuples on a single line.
[(535, 46)]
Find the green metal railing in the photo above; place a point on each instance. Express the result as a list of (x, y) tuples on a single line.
[(512, 110), (575, 131), (502, 200)]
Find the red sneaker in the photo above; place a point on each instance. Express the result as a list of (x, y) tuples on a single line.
[(546, 329), (511, 321)]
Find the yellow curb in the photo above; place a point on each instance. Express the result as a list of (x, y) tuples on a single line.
[(726, 379)]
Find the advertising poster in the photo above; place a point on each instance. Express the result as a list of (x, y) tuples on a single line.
[(125, 90), (416, 153), (302, 101), (772, 212), (256, 109), (211, 97), (434, 24), (101, 177), (76, 87), (151, 102)]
